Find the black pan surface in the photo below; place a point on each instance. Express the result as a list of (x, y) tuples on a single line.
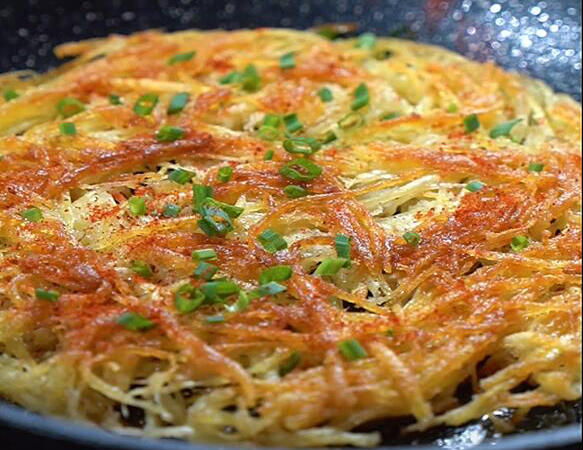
[(539, 38)]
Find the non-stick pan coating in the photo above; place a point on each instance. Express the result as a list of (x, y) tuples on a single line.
[(540, 38)]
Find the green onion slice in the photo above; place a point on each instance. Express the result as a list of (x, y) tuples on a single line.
[(69, 106), (115, 99), (187, 298), (412, 238), (48, 295), (171, 210), (302, 145), (181, 57), (290, 363), (200, 193), (68, 129), (233, 77), (180, 176), (390, 116), (342, 244), (330, 266), (271, 288), (268, 155), (142, 268), (217, 291), (225, 173), (325, 94), (145, 104), (350, 120), (250, 80), (135, 322), (178, 102), (215, 222), (471, 123), (137, 206), (204, 254), (287, 61), (169, 133), (300, 169), (205, 271), (474, 186), (352, 350), (366, 41), (294, 191), (32, 215), (272, 241), (361, 97), (275, 273), (503, 129), (519, 243), (10, 94), (219, 318), (535, 167), (292, 123)]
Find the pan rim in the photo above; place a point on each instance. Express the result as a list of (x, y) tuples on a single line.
[(79, 433)]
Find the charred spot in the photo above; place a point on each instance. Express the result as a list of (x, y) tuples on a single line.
[(230, 408), (474, 268)]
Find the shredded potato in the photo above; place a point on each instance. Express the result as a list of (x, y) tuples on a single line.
[(465, 242)]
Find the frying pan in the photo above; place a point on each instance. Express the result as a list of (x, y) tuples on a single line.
[(539, 38)]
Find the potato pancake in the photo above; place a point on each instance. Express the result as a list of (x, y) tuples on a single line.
[(266, 236)]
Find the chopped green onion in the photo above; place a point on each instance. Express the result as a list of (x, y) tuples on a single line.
[(43, 294), (452, 108), (169, 133), (390, 116), (275, 273), (287, 61), (137, 206), (535, 167), (215, 222), (233, 77), (268, 133), (292, 123), (474, 186), (519, 243), (330, 136), (330, 266), (216, 291), (290, 364), (115, 99), (390, 332), (32, 215), (471, 123), (200, 193), (219, 318), (187, 298), (325, 94), (268, 155), (178, 102), (205, 271), (145, 104), (302, 145), (366, 41), (135, 322), (181, 57), (10, 94), (342, 244), (412, 238), (350, 120), (272, 241), (294, 191), (142, 268), (503, 129), (271, 120), (69, 106), (361, 97), (242, 303), (352, 350), (68, 129), (225, 173), (171, 210), (180, 176), (300, 169), (204, 255), (250, 80), (271, 288), (232, 211)]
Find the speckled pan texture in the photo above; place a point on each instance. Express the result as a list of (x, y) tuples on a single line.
[(540, 38)]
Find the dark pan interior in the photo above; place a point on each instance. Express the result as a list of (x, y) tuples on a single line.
[(540, 38)]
